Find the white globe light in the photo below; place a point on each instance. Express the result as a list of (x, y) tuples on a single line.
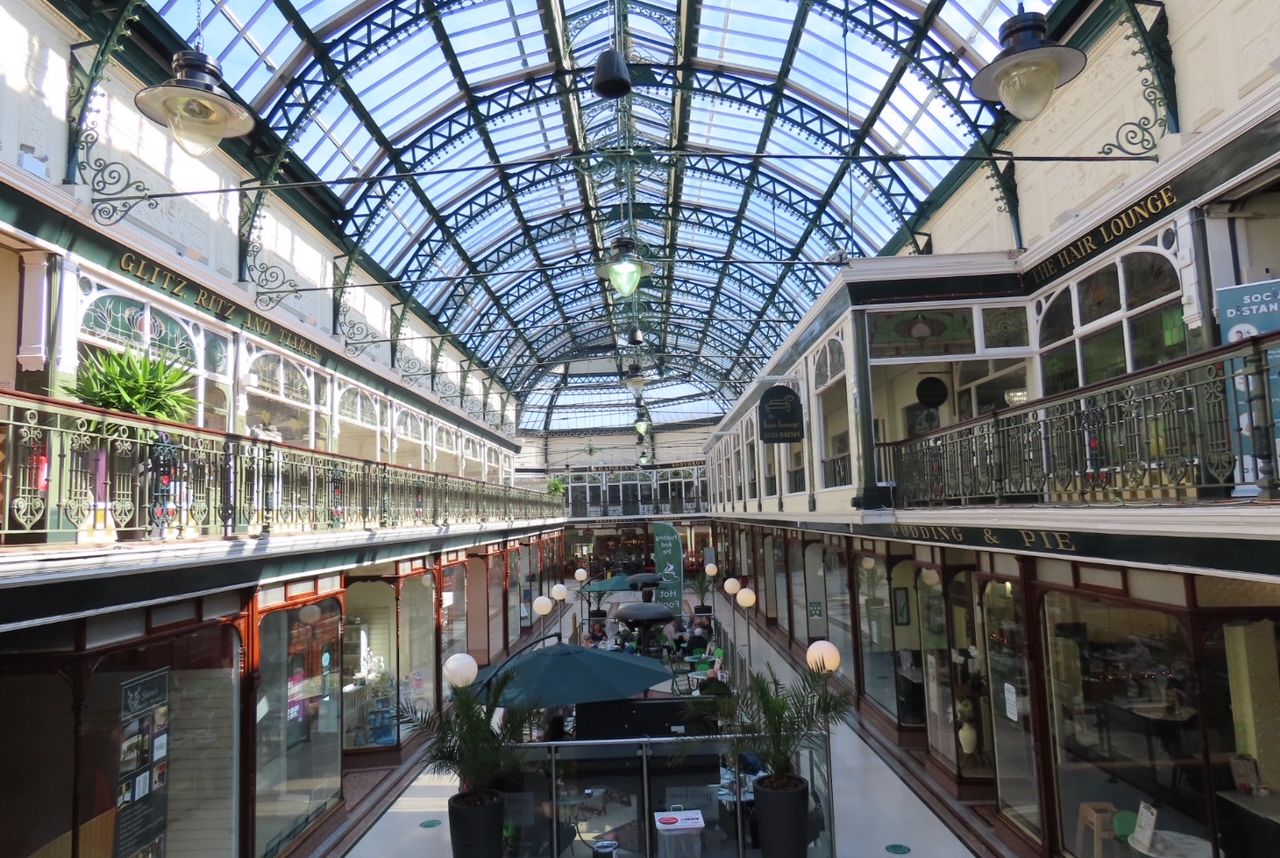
[(310, 614), (746, 598), (868, 562), (542, 606), (460, 670), (580, 574), (711, 569), (428, 580), (930, 577), (559, 592), (732, 586), (823, 656)]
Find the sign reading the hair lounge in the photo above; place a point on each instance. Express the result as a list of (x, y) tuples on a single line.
[(780, 415), (1141, 213)]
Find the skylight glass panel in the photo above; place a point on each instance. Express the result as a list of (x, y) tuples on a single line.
[(745, 32)]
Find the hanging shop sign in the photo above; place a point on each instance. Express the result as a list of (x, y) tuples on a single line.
[(780, 416), (142, 783), (150, 273), (1246, 311), (669, 562)]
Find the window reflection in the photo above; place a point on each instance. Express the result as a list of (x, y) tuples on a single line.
[(298, 710)]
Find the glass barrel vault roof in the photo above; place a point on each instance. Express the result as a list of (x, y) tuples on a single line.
[(530, 173)]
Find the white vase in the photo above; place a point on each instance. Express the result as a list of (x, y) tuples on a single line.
[(968, 737)]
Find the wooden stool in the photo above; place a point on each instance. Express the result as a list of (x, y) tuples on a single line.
[(1096, 815)]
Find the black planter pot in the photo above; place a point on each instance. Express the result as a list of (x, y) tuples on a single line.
[(702, 609), (597, 614), (475, 831), (783, 817)]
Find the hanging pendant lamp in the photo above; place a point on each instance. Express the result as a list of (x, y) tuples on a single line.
[(198, 116), (625, 268), (1029, 68), (612, 78)]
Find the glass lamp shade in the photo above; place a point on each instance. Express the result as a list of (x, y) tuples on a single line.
[(642, 425), (543, 605), (635, 383), (559, 592), (732, 586), (460, 670), (711, 570), (624, 277), (580, 574), (823, 656), (746, 598), (310, 614), (198, 116), (1016, 397), (644, 458), (868, 562), (1026, 87)]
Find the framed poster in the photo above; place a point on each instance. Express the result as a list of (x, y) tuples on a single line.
[(901, 606)]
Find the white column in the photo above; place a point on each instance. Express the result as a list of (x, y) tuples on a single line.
[(33, 331), (68, 337)]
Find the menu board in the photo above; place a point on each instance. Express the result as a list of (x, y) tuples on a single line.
[(143, 776)]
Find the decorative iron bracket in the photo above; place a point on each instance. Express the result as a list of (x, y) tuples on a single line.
[(1159, 89)]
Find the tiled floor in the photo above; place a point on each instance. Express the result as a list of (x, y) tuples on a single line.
[(873, 808)]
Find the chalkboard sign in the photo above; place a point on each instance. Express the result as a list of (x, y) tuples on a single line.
[(780, 416)]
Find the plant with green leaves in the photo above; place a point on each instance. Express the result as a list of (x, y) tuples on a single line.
[(465, 739), (774, 721), (133, 382), (701, 583), (556, 486)]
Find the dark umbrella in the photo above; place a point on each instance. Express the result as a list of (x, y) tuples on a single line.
[(563, 674), (643, 613), (644, 579), (616, 584), (644, 616)]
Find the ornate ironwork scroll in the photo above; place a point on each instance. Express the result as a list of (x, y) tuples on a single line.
[(1159, 90)]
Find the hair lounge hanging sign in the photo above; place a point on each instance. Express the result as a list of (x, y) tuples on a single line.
[(780, 416)]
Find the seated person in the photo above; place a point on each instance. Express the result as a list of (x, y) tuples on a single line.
[(598, 634), (714, 686), (750, 764), (555, 731)]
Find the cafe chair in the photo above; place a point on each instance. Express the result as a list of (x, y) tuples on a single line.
[(1099, 818)]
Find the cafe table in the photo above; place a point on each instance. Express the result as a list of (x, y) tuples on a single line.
[(1174, 844)]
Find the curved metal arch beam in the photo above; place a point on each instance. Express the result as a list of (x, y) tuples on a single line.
[(799, 201), (806, 119), (583, 347), (500, 254)]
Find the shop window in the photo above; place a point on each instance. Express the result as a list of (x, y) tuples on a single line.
[(875, 631), (1242, 719), (1103, 355), (1098, 295), (939, 699), (453, 614), (916, 334), (497, 613), (1058, 369), (1125, 726), (37, 738), (1005, 327), (1057, 322), (417, 665), (839, 610), (1009, 683), (1147, 277), (1158, 336), (369, 669), (815, 589), (298, 710)]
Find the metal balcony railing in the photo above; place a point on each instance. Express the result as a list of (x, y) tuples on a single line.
[(795, 480), (1199, 428), (675, 506), (73, 473), (837, 472)]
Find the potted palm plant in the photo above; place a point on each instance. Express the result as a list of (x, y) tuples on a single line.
[(130, 382), (701, 583), (774, 722), (469, 740)]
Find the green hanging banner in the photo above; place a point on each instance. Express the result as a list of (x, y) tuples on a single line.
[(669, 560)]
